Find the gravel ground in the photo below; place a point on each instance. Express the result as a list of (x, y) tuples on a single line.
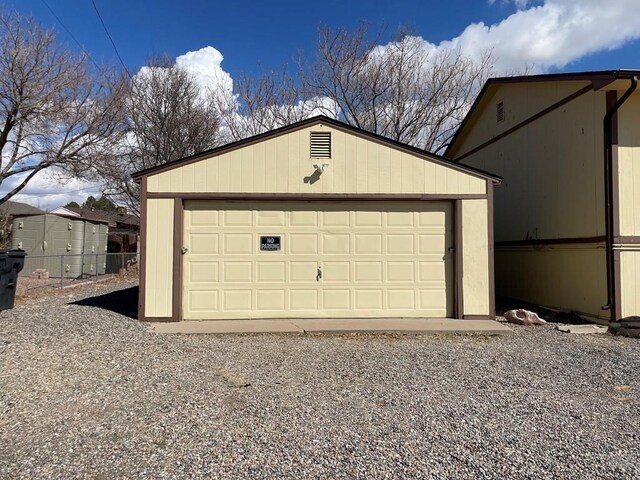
[(86, 392)]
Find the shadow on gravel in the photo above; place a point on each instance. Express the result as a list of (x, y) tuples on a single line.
[(124, 302)]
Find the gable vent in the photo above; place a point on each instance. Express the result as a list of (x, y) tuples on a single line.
[(500, 112), (320, 144)]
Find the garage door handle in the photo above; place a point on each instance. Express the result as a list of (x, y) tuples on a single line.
[(319, 274), (184, 250)]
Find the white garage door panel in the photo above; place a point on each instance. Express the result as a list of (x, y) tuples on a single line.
[(378, 259)]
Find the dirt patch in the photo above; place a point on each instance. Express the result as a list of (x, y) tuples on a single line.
[(33, 288)]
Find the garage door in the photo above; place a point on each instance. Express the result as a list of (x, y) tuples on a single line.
[(317, 259)]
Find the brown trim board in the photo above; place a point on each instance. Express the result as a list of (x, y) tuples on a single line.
[(143, 250), (313, 196), (490, 246), (526, 122), (458, 290), (178, 231)]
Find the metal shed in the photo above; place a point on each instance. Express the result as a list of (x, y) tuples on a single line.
[(315, 220), (46, 238)]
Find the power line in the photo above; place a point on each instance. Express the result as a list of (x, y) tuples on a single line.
[(95, 7), (73, 37)]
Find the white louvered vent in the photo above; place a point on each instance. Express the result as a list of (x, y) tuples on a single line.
[(320, 144), (500, 112)]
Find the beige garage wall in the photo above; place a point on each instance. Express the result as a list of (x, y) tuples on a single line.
[(475, 258), (520, 101), (629, 166), (553, 185), (630, 276), (283, 165), (561, 276), (159, 258)]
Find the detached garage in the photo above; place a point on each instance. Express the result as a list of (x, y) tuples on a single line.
[(316, 219)]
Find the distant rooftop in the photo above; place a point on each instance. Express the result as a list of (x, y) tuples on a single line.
[(113, 218), (15, 209)]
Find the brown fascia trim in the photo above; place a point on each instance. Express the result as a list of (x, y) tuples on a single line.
[(321, 119), (458, 288), (479, 317), (176, 289), (524, 123), (550, 241), (143, 250), (492, 264), (314, 196), (598, 79)]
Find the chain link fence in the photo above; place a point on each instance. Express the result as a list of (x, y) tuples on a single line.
[(66, 269)]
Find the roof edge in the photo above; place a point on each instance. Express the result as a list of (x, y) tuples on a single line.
[(62, 215)]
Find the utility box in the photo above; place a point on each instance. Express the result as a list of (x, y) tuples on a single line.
[(46, 238)]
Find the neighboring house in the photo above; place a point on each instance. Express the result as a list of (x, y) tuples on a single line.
[(68, 246), (316, 219), (567, 215), (9, 210), (124, 228)]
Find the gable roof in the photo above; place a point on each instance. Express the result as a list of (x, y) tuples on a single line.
[(598, 79), (308, 123), (16, 209)]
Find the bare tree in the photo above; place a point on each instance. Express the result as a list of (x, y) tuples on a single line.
[(407, 90), (169, 117), (54, 112), (257, 105)]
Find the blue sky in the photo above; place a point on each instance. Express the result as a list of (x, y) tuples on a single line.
[(262, 33), (219, 40)]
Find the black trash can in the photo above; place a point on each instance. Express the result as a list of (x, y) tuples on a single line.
[(11, 263)]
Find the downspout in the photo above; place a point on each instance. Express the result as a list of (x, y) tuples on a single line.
[(608, 194)]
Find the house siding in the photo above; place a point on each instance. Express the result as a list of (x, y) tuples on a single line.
[(552, 192), (283, 165)]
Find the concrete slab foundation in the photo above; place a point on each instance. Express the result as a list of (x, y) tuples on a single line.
[(386, 325)]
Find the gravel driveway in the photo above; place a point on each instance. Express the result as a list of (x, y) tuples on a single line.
[(86, 392)]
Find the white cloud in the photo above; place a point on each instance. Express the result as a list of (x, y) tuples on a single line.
[(520, 4), (48, 190), (541, 34), (206, 66), (545, 34), (553, 33)]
